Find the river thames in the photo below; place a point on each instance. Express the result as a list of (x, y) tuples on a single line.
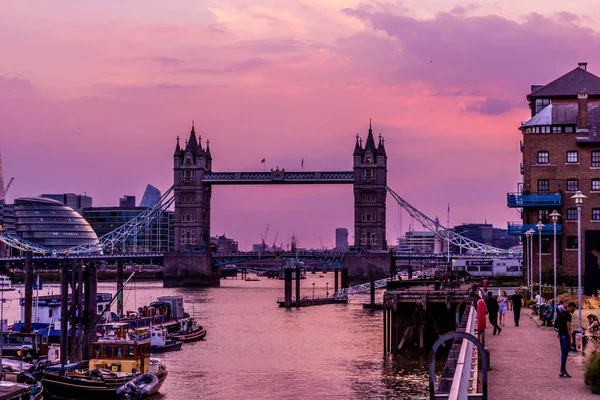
[(256, 350)]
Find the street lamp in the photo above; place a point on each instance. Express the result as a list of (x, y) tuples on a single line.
[(529, 236), (327, 290), (540, 226), (555, 215), (579, 202), (313, 290)]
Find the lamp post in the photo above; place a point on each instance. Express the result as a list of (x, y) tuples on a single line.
[(540, 226), (529, 238), (555, 215), (313, 290), (579, 202), (327, 290)]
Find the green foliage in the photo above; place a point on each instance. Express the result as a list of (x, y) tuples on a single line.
[(548, 274), (592, 373), (529, 303)]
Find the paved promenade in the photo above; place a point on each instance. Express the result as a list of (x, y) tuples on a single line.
[(526, 362)]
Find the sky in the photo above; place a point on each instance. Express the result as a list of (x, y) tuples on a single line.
[(93, 95)]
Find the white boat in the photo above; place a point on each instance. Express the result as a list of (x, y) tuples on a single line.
[(5, 284)]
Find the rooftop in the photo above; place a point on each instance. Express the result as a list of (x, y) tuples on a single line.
[(571, 83)]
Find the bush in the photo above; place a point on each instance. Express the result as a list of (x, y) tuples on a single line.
[(529, 303), (592, 373)]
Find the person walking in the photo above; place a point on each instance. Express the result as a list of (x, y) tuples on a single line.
[(492, 308), (517, 302), (502, 300), (563, 326)]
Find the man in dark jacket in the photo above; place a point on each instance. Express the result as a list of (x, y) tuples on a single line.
[(492, 307)]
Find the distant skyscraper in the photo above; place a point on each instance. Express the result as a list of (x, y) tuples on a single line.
[(127, 201), (151, 195), (341, 238), (77, 202), (2, 194)]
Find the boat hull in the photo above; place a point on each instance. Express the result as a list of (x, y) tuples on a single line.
[(191, 337), (59, 387), (166, 348)]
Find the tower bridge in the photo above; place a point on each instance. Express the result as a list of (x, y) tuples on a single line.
[(192, 264)]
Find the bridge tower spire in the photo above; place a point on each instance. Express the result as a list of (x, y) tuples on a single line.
[(370, 180)]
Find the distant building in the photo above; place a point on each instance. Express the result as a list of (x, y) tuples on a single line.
[(77, 202), (158, 237), (225, 244), (46, 222), (486, 234), (341, 238), (151, 196), (417, 242), (127, 201)]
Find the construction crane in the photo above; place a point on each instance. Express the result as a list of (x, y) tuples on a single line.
[(320, 240), (8, 186), (264, 238), (274, 241)]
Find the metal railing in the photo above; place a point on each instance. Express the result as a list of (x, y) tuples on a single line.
[(533, 200)]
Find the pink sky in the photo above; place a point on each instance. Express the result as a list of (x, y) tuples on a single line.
[(93, 94)]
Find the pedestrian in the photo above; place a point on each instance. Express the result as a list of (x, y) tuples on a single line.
[(502, 300), (538, 301), (563, 327), (561, 306), (485, 284), (517, 302), (492, 308)]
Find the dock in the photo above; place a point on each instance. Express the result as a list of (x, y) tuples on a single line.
[(308, 302)]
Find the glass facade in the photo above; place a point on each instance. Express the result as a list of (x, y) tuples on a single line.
[(156, 237), (50, 223)]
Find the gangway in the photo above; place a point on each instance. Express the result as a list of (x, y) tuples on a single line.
[(345, 292)]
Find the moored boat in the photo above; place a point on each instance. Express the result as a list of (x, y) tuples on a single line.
[(160, 342), (190, 331), (5, 284), (139, 387), (112, 366)]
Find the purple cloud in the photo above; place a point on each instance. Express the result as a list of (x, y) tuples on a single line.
[(491, 107)]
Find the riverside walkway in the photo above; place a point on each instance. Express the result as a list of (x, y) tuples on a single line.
[(525, 363)]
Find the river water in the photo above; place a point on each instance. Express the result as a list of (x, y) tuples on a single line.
[(256, 350)]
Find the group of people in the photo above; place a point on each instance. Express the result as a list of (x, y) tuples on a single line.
[(497, 307)]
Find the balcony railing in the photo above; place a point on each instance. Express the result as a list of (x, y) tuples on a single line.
[(519, 229), (533, 200)]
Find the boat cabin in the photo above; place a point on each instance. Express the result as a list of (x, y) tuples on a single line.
[(113, 332), (17, 344), (159, 336), (123, 356)]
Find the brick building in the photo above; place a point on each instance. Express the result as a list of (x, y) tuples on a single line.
[(561, 155)]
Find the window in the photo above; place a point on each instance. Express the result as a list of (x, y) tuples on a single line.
[(546, 245), (572, 185), (368, 174), (571, 214), (568, 129), (595, 185), (373, 240), (543, 157), (595, 158), (595, 214), (363, 237), (543, 186), (368, 217), (557, 129), (540, 104), (543, 216), (50, 313), (571, 242), (572, 157)]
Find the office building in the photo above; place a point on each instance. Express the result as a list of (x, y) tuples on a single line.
[(341, 238), (151, 196), (224, 244), (127, 201), (418, 243), (156, 237), (2, 194), (77, 202), (561, 155)]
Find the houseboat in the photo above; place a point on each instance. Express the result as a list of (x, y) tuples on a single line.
[(46, 315), (113, 364)]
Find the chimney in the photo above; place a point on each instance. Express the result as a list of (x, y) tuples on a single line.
[(583, 65), (582, 112)]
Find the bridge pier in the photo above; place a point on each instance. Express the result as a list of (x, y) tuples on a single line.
[(297, 286), (344, 278), (190, 269), (335, 279), (27, 327), (360, 265), (287, 287)]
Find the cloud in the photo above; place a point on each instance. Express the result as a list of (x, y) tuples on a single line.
[(163, 61), (491, 107), (11, 87), (243, 67)]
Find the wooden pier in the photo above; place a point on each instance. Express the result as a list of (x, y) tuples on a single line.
[(418, 317)]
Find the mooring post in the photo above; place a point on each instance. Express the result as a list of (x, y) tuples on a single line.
[(92, 304), (335, 279), (73, 309), (64, 312), (120, 288), (80, 308), (287, 286), (385, 340), (298, 286), (27, 326), (372, 276), (344, 278)]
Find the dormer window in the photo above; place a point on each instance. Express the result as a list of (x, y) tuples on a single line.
[(540, 104)]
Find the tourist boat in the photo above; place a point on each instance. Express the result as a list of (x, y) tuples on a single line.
[(112, 366), (189, 331), (160, 343), (5, 284)]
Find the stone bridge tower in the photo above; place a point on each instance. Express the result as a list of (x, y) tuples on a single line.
[(191, 263), (370, 180)]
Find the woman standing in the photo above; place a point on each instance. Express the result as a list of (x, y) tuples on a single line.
[(502, 300)]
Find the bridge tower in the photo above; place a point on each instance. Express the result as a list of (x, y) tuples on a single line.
[(191, 263), (370, 180)]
